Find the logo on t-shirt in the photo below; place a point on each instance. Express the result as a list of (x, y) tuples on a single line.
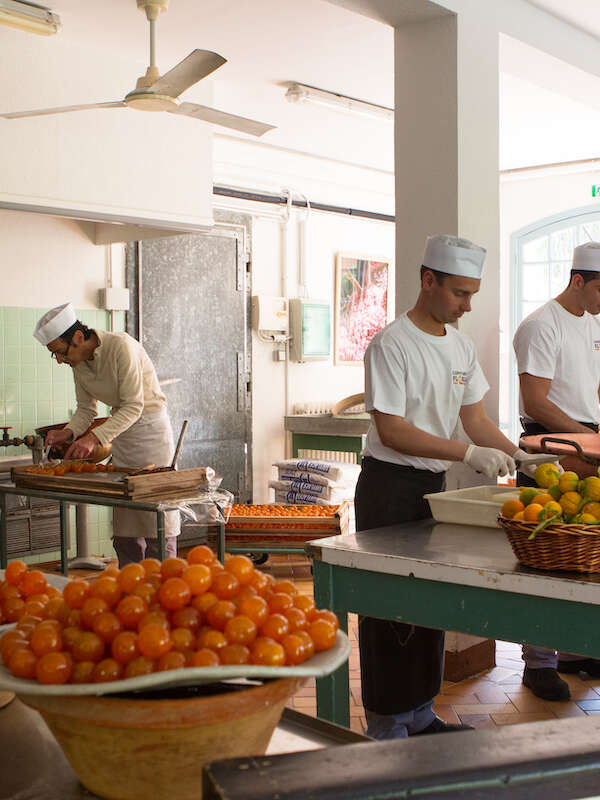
[(459, 378), (597, 344)]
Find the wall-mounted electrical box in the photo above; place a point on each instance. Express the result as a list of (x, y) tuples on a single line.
[(270, 313), (310, 328), (114, 299)]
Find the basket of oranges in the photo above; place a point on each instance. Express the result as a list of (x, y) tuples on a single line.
[(556, 524)]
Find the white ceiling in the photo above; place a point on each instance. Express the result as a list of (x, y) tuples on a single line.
[(267, 43)]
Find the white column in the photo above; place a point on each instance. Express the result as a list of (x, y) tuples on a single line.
[(447, 161)]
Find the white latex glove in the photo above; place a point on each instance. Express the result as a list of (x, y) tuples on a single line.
[(529, 469), (489, 461)]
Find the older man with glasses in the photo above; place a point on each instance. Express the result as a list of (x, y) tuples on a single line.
[(114, 368)]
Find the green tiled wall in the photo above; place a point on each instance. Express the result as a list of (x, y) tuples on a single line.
[(35, 390)]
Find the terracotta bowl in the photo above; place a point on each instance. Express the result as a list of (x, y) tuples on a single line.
[(134, 748), (99, 453)]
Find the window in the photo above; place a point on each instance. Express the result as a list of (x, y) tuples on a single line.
[(541, 257)]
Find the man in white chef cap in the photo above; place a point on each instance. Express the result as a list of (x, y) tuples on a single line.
[(421, 377), (558, 360), (114, 368)]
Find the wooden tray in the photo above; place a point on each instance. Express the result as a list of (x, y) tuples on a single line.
[(120, 483)]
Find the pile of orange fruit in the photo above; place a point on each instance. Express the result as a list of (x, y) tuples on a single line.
[(560, 496), (64, 467), (282, 512), (154, 616)]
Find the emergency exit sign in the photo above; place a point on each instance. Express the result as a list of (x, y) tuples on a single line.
[(596, 190)]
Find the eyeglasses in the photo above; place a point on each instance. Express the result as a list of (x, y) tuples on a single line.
[(56, 353)]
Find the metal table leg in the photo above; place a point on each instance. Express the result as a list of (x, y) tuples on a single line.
[(64, 521), (160, 530), (221, 542), (3, 532)]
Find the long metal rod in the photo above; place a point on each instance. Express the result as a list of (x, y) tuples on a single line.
[(152, 43), (64, 556), (280, 200)]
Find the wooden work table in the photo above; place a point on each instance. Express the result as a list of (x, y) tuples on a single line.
[(451, 577)]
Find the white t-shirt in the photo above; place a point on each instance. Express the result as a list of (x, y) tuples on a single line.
[(423, 378), (555, 344)]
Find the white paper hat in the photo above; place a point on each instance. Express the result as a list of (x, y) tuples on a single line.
[(54, 323), (454, 256), (586, 257)]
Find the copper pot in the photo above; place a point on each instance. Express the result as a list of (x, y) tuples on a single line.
[(99, 453)]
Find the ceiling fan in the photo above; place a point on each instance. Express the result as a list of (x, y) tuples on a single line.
[(155, 92)]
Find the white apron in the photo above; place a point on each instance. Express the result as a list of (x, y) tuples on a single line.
[(147, 441)]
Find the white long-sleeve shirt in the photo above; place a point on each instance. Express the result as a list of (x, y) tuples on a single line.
[(120, 375)]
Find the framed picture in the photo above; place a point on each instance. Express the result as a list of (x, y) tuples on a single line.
[(362, 289)]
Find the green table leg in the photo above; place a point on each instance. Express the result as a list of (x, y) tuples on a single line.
[(3, 532), (221, 542), (333, 692), (64, 521), (160, 530)]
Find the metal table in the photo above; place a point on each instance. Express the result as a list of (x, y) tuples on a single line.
[(451, 577), (326, 432), (65, 498)]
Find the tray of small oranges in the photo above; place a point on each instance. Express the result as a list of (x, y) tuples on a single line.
[(180, 622), (556, 524)]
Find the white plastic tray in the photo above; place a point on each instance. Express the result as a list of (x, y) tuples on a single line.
[(476, 505), (318, 666)]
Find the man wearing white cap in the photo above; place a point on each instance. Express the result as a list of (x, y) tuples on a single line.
[(114, 368), (421, 377), (558, 360)]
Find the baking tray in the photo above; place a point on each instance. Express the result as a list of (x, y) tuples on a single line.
[(318, 666), (476, 505)]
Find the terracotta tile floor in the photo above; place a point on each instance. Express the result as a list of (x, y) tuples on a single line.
[(494, 697)]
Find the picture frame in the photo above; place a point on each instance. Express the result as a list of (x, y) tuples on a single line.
[(362, 304)]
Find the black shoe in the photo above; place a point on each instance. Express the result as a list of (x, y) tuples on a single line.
[(546, 683), (439, 726), (589, 665)]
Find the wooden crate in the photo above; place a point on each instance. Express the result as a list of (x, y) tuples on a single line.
[(120, 483), (267, 532)]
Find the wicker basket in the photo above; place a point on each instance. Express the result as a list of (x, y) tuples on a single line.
[(574, 548)]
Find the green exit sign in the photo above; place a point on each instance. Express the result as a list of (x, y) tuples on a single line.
[(596, 190)]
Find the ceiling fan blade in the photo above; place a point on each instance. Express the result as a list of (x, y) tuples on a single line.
[(192, 69), (40, 112), (207, 114)]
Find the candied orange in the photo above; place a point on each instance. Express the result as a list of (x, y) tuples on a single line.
[(268, 652), (151, 566), (296, 618), (82, 672), (303, 602), (88, 646), (187, 617), (139, 666), (33, 608), (54, 668), (107, 626), (174, 594), (323, 634), (219, 613), (107, 589), (91, 608), (201, 555), (154, 640), (45, 639), (131, 610), (308, 643), (278, 601), (198, 577), (295, 649), (241, 567), (285, 586), (15, 572), (225, 585), (240, 630), (204, 601), (146, 591), (33, 582), (172, 568), (107, 670), (211, 639), (234, 654), (172, 660), (69, 636), (124, 647), (183, 639), (275, 627), (11, 641), (75, 593), (204, 658), (324, 613), (130, 576), (56, 608), (156, 617), (22, 663), (13, 608), (255, 607)]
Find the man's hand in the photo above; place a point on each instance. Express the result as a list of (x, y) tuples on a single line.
[(489, 461), (83, 447), (58, 437), (529, 469)]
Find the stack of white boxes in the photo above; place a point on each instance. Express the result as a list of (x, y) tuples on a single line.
[(309, 482)]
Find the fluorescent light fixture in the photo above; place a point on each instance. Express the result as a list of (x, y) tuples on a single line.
[(300, 93), (29, 17)]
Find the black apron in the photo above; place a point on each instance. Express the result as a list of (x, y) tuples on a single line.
[(401, 665), (535, 429)]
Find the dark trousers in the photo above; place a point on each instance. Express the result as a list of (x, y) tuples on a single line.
[(401, 665), (131, 550)]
